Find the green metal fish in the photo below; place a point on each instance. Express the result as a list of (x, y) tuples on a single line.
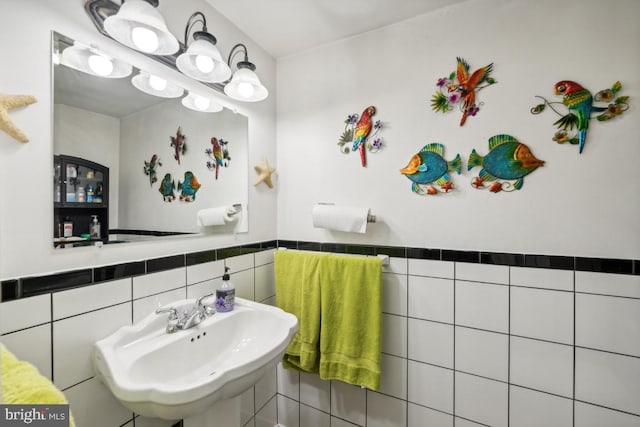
[(508, 159)]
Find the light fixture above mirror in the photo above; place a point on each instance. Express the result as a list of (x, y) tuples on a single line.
[(139, 25), (202, 59), (92, 61)]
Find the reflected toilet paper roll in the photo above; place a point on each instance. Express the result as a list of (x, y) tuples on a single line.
[(340, 218), (217, 216)]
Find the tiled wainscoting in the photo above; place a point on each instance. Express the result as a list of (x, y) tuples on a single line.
[(55, 331), (471, 344), (470, 338)]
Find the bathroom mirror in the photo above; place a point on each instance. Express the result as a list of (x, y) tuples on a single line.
[(110, 122)]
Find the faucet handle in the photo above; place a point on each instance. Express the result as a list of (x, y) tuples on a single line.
[(173, 313), (207, 309)]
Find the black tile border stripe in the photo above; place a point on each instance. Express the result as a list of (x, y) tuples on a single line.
[(35, 285)]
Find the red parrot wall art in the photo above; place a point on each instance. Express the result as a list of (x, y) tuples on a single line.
[(358, 132), (460, 88)]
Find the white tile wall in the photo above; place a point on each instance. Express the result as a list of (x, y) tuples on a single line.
[(288, 412), (33, 345), (430, 386), (73, 339), (144, 307), (385, 411), (394, 335), (560, 280), (482, 305), (12, 313), (348, 402), (431, 299), (315, 392), (206, 271), (156, 283), (310, 416), (92, 404), (419, 416), (542, 314), (609, 380), (530, 408), (431, 342), (65, 303), (482, 353), (622, 285), (394, 293), (430, 268), (608, 323), (542, 366), (394, 376), (481, 399), (268, 415), (482, 273), (596, 416), (264, 274)]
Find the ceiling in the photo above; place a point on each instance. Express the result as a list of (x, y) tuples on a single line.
[(286, 27)]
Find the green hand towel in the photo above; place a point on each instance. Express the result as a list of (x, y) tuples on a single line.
[(23, 384), (298, 292), (351, 313)]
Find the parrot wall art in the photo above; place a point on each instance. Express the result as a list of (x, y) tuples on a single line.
[(460, 89), (218, 155), (179, 144), (360, 134), (580, 106), (506, 165), (428, 167)]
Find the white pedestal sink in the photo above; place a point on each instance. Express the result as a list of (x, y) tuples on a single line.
[(196, 374)]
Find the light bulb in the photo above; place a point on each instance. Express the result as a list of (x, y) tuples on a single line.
[(144, 39), (245, 90), (201, 103), (100, 65), (157, 83), (204, 63)]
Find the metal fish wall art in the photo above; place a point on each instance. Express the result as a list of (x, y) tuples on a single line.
[(505, 166), (428, 169)]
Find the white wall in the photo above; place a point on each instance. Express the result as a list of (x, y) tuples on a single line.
[(579, 205), (26, 215), (148, 132), (91, 136)]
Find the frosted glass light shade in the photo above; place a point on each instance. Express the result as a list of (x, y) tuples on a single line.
[(201, 103), (193, 62), (239, 88), (152, 85), (140, 26), (92, 61)]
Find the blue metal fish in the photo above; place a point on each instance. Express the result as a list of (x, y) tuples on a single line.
[(189, 187), (508, 159), (429, 166), (166, 188)]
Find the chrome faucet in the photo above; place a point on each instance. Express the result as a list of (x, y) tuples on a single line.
[(190, 318), (173, 318)]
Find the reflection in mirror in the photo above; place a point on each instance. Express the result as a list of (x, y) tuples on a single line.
[(139, 165)]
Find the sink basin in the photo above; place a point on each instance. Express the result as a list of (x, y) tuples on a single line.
[(174, 376)]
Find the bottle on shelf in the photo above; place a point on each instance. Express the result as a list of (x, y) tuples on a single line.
[(80, 195), (90, 194), (94, 227)]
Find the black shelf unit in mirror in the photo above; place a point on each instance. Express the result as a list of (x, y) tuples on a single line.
[(80, 191)]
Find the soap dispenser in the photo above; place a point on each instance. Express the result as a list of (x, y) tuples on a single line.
[(225, 294)]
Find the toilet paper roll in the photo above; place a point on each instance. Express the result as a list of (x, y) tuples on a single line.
[(340, 218), (217, 216)]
